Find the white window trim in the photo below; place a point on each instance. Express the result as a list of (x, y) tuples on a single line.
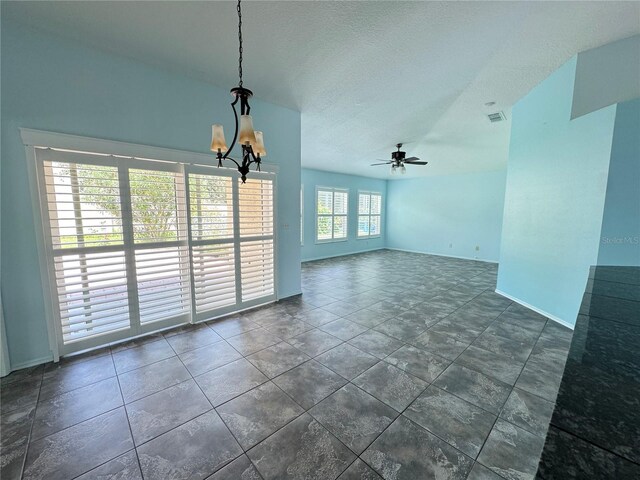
[(137, 155), (369, 192), (346, 216)]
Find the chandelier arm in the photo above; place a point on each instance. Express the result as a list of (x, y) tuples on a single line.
[(235, 133)]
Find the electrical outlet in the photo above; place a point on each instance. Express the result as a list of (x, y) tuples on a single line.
[(477, 248), (451, 245)]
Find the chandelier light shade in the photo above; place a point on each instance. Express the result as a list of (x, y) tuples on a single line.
[(251, 142), (218, 143), (258, 147)]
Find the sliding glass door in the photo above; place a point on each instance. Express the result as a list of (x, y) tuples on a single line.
[(135, 246)]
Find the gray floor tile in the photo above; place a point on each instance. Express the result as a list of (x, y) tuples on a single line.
[(341, 308), (540, 381), (277, 359), (368, 318), (422, 364), (454, 420), (528, 411), (401, 329), (229, 381), (253, 341), (240, 469), (443, 345), (193, 339), (511, 452), (309, 383), (158, 413), (391, 385), (141, 356), (22, 374), (492, 364), (66, 377), (288, 328), (255, 415), (387, 309), (136, 342), (359, 471), (354, 417), (303, 449), (429, 456), (376, 343), (480, 472), (453, 327), (474, 387), (314, 342), (207, 358), (152, 378), (194, 450), (232, 326), (20, 394), (318, 316), (15, 427), (512, 332), (124, 467), (518, 351), (343, 329), (76, 406), (78, 449), (347, 361)]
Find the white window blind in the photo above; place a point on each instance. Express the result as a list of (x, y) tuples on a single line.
[(332, 207), (213, 250), (256, 238), (134, 246), (369, 214)]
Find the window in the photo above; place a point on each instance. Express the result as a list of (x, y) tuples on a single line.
[(369, 214), (134, 245), (331, 214)]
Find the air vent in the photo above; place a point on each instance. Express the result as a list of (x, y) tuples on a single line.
[(496, 117)]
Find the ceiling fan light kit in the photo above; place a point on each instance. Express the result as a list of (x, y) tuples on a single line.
[(250, 140), (398, 161)]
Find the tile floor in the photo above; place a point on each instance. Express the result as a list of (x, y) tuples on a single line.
[(392, 365)]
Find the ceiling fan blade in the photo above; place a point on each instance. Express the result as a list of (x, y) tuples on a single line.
[(383, 163), (411, 159), (416, 163)]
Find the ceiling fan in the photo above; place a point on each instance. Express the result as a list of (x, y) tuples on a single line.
[(398, 161)]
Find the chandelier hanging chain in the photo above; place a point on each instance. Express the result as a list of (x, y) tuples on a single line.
[(240, 43)]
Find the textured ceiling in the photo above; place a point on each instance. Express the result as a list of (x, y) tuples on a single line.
[(364, 75)]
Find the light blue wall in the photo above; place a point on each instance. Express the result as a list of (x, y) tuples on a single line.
[(447, 215), (620, 239), (52, 84), (312, 178), (556, 182)]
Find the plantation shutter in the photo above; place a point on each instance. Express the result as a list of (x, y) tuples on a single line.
[(134, 246), (87, 247), (159, 223), (256, 238), (212, 234)]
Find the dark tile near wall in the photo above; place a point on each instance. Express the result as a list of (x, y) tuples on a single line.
[(255, 415), (430, 456), (78, 449), (196, 449), (347, 361), (309, 383), (303, 449), (229, 381)]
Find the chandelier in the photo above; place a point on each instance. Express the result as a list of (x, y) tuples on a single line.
[(251, 141)]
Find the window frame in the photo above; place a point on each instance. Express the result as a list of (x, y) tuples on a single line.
[(132, 156), (333, 191), (370, 193)]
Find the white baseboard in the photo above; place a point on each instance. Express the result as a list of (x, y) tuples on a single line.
[(441, 255), (564, 323), (324, 257)]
